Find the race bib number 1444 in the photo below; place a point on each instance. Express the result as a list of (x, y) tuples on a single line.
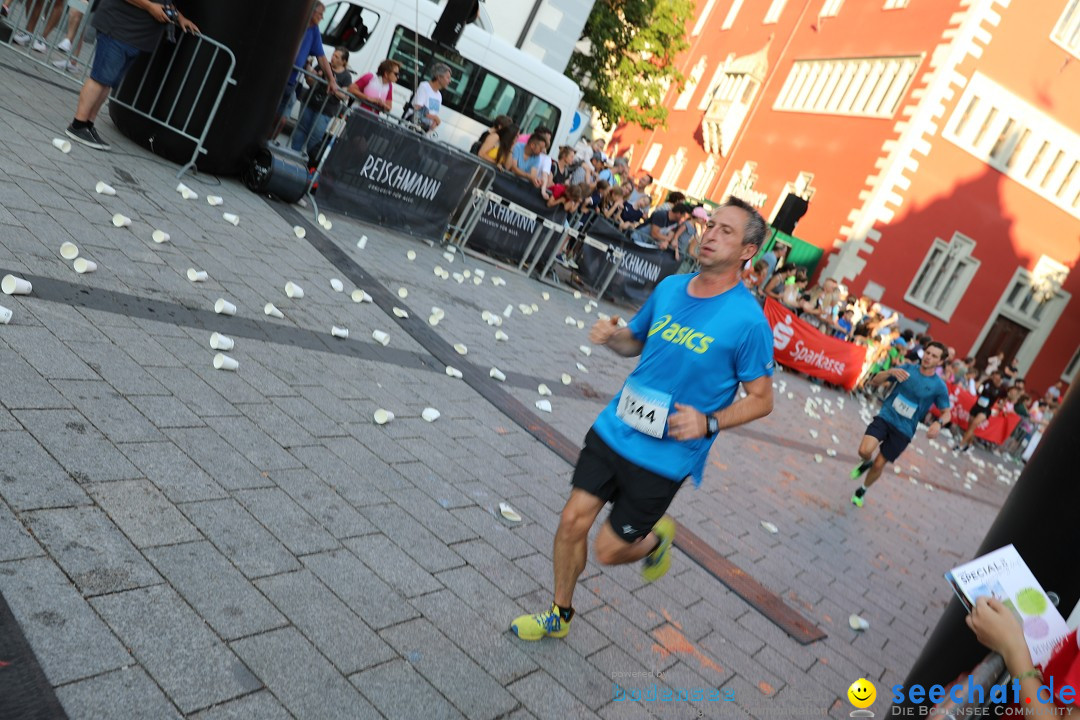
[(644, 410)]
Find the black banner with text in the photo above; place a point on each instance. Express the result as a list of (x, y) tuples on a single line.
[(505, 233), (640, 269), (390, 176)]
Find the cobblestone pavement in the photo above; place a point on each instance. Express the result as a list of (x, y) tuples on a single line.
[(181, 541)]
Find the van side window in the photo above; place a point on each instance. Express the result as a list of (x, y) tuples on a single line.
[(347, 25), (423, 56)]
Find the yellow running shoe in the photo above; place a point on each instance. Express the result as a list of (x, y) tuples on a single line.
[(541, 625), (656, 563)]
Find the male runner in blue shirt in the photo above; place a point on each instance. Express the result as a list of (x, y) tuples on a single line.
[(699, 336), (918, 388)]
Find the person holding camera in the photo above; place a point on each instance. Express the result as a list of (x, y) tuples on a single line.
[(126, 29)]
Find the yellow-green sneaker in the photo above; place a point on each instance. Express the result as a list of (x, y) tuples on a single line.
[(541, 625), (656, 563)]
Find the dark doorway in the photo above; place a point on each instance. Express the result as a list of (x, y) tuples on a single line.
[(1005, 336)]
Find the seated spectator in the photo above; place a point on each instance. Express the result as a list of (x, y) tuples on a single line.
[(375, 91), (663, 228), (498, 146), (322, 107), (527, 159)]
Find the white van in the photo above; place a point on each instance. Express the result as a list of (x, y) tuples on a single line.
[(490, 77)]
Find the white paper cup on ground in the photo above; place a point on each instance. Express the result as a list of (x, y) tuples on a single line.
[(543, 389), (214, 200), (322, 219), (411, 255), (5, 315), (585, 350), (461, 349), (402, 293), (453, 372), (182, 188), (362, 242), (224, 362), (501, 336), (543, 405), (381, 337), (383, 416), (433, 320), (546, 295), (271, 310), (299, 231), (104, 188), (400, 312), (69, 251), (12, 285), (231, 218), (448, 256), (196, 275), (337, 285), (430, 414), (62, 145), (293, 290), (566, 379), (190, 194), (221, 342), (120, 220), (160, 236), (508, 311), (438, 270), (83, 266), (497, 374), (357, 296), (509, 513), (339, 332), (224, 307), (328, 225)]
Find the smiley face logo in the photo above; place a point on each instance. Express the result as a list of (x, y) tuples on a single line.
[(862, 693)]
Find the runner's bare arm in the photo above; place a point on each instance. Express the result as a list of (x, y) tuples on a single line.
[(757, 404), (620, 340), (894, 373)]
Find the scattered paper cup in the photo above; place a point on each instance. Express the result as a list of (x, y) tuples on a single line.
[(299, 232), (438, 311), (459, 278), (160, 236), (231, 218), (328, 225), (273, 312), (430, 414), (585, 350), (221, 342), (196, 275), (383, 416), (580, 324), (461, 349), (582, 368), (411, 255), (543, 389), (438, 270), (62, 145), (577, 295), (769, 527), (12, 285), (509, 513), (214, 200), (818, 458), (336, 284), (466, 274), (433, 320), (224, 362), (182, 188), (400, 313), (293, 290), (497, 374), (362, 242), (190, 194), (478, 272), (453, 372), (339, 332), (543, 405), (119, 220), (534, 307), (402, 293), (570, 321), (69, 251), (224, 307), (357, 296), (448, 256), (477, 280), (508, 311), (858, 623), (381, 337), (5, 315), (566, 379), (104, 188), (501, 336), (322, 219), (83, 266)]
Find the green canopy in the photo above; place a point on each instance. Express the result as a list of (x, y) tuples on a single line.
[(802, 253)]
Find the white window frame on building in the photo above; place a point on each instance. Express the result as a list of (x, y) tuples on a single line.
[(703, 18), (864, 87), (895, 4), (944, 276), (733, 13), (1031, 301), (1017, 139), (830, 8), (673, 169), (776, 9), (651, 157), (1069, 375), (691, 83), (703, 177), (1066, 32)]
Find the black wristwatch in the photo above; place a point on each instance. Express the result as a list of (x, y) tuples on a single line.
[(712, 426)]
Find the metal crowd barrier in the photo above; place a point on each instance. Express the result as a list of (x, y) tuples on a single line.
[(35, 31)]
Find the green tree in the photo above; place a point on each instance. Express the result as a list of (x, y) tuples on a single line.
[(629, 62)]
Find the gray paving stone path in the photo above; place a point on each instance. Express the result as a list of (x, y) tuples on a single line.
[(177, 541)]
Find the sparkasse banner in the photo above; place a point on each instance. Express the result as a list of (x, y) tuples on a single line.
[(801, 346)]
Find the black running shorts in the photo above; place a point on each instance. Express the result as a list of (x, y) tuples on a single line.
[(891, 441), (639, 497)]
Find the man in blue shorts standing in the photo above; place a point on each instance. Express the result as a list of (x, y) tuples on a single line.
[(699, 336), (126, 29), (918, 387)]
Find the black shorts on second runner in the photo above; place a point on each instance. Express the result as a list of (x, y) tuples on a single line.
[(639, 497), (892, 441)]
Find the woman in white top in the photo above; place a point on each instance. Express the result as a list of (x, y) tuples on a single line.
[(376, 90)]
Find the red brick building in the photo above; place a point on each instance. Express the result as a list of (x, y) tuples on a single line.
[(936, 141)]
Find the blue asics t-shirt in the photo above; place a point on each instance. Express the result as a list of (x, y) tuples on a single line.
[(697, 351), (910, 400)]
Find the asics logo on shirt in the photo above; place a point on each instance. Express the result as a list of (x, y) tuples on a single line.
[(682, 335)]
